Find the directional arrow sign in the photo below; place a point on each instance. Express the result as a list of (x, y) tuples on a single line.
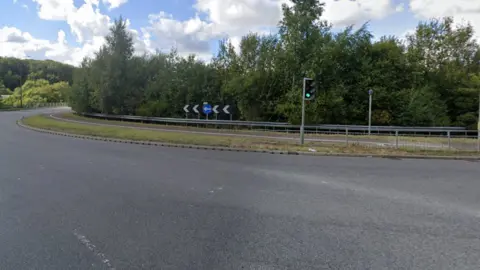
[(186, 108), (225, 109), (215, 109), (195, 109), (207, 108)]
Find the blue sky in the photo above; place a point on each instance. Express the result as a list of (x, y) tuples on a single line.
[(68, 30)]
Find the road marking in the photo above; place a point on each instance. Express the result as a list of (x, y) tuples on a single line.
[(87, 243)]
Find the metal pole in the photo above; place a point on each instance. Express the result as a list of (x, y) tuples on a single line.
[(302, 137), (449, 140), (478, 124), (346, 135), (369, 111), (396, 139)]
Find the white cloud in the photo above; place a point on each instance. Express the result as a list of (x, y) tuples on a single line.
[(114, 3), (345, 13), (16, 43), (460, 10), (190, 36), (54, 9), (238, 17), (142, 42), (235, 18), (87, 24), (223, 19)]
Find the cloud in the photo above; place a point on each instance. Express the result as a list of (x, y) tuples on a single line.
[(346, 13), (190, 36), (87, 24), (114, 3), (215, 19), (16, 43), (461, 11), (233, 19), (238, 17), (54, 9), (13, 35)]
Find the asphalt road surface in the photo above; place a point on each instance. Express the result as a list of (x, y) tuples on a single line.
[(68, 203)]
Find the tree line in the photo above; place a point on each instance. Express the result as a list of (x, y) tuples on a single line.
[(428, 78), (15, 72), (28, 82)]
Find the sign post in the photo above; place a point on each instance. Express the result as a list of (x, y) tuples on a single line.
[(195, 109), (225, 110), (215, 111), (207, 109), (185, 109), (478, 124), (370, 93), (302, 126)]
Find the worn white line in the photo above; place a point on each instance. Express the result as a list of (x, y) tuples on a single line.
[(90, 246)]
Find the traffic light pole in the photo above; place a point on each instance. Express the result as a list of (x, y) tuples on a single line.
[(302, 127)]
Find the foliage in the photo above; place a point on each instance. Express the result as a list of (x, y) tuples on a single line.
[(38, 91), (429, 78), (14, 72), (4, 90)]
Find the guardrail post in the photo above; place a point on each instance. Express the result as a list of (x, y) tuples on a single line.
[(346, 135), (396, 139), (478, 140), (449, 140)]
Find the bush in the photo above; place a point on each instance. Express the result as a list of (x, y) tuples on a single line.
[(153, 108), (39, 91)]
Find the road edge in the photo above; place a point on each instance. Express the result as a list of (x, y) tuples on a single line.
[(232, 149)]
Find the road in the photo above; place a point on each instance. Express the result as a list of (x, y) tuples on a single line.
[(68, 203)]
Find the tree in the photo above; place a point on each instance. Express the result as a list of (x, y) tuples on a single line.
[(4, 90), (428, 80)]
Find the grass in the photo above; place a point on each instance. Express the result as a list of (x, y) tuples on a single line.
[(420, 139), (117, 132)]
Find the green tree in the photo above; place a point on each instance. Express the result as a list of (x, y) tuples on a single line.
[(4, 90)]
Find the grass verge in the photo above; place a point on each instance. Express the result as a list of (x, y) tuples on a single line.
[(403, 139), (117, 132)]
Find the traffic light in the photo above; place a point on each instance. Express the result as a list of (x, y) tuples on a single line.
[(310, 88)]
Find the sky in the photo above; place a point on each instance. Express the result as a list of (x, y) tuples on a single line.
[(69, 30)]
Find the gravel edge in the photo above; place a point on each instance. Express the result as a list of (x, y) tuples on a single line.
[(231, 149)]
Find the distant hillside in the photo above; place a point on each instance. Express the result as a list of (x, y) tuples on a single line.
[(15, 72)]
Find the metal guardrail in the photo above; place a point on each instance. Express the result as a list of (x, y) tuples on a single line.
[(277, 125), (35, 106)]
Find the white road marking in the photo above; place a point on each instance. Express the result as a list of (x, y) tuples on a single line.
[(84, 241)]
